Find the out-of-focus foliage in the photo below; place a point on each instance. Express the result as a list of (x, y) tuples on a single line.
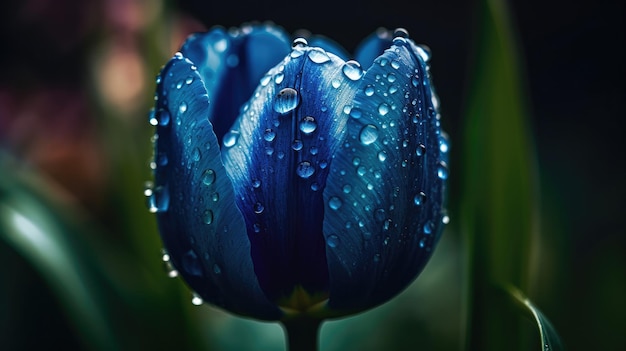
[(81, 255)]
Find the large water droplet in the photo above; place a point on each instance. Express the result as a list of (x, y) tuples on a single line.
[(279, 77), (368, 134), (382, 156), (369, 90), (230, 138), (286, 100), (356, 113), (318, 55), (334, 203), (308, 125), (352, 69), (208, 177), (305, 169)]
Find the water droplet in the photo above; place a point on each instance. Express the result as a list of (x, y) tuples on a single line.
[(230, 138), (208, 177), (428, 227), (445, 219), (400, 32), (368, 134), (256, 227), (221, 45), (352, 69), (382, 156), (279, 77), (286, 100), (266, 79), (269, 135), (332, 240), (315, 186), (442, 170), (191, 264), (196, 300), (391, 78), (383, 109), (318, 55), (308, 125), (347, 188), (313, 150), (196, 155), (305, 169), (217, 269), (419, 198), (299, 43), (356, 161), (334, 203), (296, 145), (159, 199), (415, 82), (182, 108), (424, 52), (356, 113), (380, 215), (361, 170), (189, 80), (161, 159), (395, 64), (369, 90), (420, 150), (207, 217), (215, 197), (336, 83), (258, 208), (256, 183)]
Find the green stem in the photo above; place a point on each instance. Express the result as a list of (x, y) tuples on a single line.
[(302, 333)]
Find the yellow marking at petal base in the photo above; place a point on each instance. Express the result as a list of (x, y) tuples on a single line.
[(300, 301)]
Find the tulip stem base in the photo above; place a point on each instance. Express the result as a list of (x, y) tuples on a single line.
[(302, 333)]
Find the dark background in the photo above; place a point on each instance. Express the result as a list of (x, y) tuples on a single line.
[(572, 54)]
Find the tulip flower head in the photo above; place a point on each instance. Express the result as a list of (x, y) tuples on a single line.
[(291, 180)]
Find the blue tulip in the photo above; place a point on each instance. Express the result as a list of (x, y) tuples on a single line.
[(290, 181)]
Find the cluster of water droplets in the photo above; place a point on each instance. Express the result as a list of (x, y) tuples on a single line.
[(390, 150)]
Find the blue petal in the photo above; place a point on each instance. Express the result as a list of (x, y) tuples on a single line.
[(278, 160), (231, 64), (383, 195), (200, 224)]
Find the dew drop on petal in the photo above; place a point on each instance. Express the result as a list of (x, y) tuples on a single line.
[(299, 43), (196, 300), (308, 125), (208, 177), (368, 134), (258, 208), (318, 55), (383, 109), (419, 198), (230, 138), (332, 240), (207, 217), (352, 70), (442, 170), (428, 227), (269, 135), (369, 90), (305, 169), (334, 203), (286, 100)]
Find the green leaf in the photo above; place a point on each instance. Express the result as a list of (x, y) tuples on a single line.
[(499, 202), (34, 227), (550, 340)]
